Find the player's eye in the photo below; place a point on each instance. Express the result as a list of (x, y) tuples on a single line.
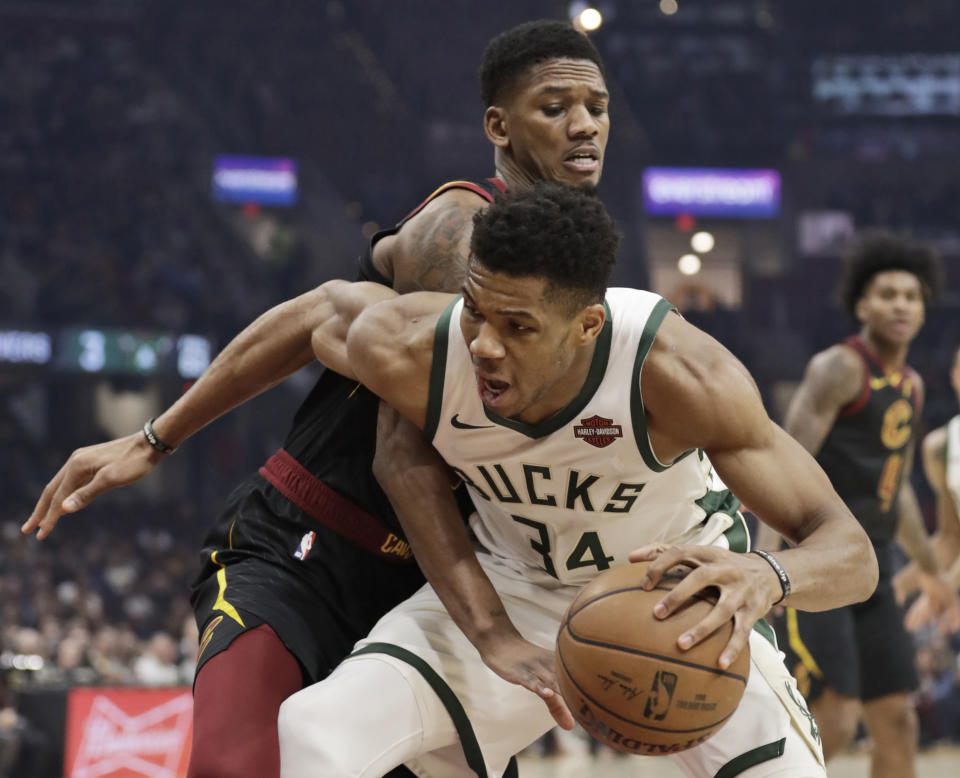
[(553, 110)]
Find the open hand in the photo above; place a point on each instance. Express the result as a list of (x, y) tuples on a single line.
[(938, 602), (746, 584), (521, 662), (88, 473)]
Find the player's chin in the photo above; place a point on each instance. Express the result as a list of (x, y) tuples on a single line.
[(581, 179)]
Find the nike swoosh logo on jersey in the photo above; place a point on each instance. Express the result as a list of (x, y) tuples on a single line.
[(462, 425)]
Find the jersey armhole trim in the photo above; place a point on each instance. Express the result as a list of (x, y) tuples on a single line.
[(468, 740), (438, 367), (637, 415)]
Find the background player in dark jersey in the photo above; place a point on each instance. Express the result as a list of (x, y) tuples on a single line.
[(308, 553), (856, 411)]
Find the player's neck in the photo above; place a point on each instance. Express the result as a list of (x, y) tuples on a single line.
[(892, 356), (512, 174)]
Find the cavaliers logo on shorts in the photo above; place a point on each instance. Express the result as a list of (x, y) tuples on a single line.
[(208, 634)]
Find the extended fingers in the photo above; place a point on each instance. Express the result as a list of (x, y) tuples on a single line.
[(559, 710), (738, 641)]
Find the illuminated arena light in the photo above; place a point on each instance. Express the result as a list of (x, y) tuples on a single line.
[(669, 7), (689, 264), (590, 19), (702, 242)]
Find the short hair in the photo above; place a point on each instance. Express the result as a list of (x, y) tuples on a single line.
[(878, 251), (512, 53), (554, 231)]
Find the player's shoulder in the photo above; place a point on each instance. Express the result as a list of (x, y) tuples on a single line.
[(454, 202), (839, 362), (405, 314), (695, 389), (390, 345), (835, 376), (430, 250)]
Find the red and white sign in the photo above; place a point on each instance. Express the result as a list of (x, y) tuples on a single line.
[(121, 733)]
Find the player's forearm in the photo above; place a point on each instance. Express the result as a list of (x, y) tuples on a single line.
[(275, 345), (834, 565), (418, 484)]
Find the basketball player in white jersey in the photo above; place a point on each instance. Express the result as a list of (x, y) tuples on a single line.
[(581, 422), (941, 465)]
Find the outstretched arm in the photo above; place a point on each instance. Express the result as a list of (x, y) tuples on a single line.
[(699, 396), (278, 343)]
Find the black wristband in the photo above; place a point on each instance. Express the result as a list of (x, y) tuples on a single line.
[(154, 441), (778, 569)]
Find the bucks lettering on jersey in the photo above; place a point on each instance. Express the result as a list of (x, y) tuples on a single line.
[(574, 494)]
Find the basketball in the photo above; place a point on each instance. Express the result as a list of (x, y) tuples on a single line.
[(625, 680)]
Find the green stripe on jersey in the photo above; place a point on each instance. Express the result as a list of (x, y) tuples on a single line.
[(659, 313), (438, 367), (468, 740), (752, 758)]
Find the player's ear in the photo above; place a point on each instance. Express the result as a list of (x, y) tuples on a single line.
[(495, 126), (860, 310), (591, 321)]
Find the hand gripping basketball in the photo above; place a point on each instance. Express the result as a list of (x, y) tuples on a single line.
[(625, 679)]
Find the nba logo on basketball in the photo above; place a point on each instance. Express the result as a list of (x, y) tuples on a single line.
[(598, 431), (306, 543), (661, 695)]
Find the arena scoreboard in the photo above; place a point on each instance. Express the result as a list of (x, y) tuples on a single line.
[(108, 351)]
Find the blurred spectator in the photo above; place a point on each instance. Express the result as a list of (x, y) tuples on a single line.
[(157, 665)]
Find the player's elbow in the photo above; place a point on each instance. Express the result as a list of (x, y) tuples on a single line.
[(365, 339)]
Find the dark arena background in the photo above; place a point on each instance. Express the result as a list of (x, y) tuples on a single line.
[(169, 170)]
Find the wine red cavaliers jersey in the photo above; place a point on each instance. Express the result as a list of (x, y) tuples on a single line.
[(865, 451)]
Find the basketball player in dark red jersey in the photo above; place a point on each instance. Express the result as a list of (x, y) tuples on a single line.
[(308, 553), (856, 410)]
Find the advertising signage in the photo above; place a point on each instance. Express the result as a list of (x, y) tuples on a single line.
[(121, 733), (724, 193), (261, 180)]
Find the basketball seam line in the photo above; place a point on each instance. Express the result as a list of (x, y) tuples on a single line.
[(651, 655), (657, 588)]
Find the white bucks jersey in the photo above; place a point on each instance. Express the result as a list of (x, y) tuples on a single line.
[(576, 493)]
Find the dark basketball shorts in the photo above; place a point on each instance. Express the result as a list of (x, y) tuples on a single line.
[(861, 650), (266, 562)]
